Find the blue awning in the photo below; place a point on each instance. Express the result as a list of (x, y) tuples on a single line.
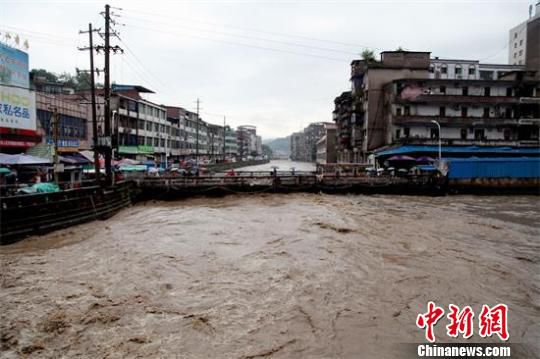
[(462, 150)]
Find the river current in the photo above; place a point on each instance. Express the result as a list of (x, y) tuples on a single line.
[(271, 275)]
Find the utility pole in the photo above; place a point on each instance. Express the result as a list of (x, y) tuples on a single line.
[(224, 137), (197, 135), (56, 125), (95, 146), (107, 95)]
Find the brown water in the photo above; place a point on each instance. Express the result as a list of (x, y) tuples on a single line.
[(281, 276)]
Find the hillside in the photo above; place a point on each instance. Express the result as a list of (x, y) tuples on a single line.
[(280, 146)]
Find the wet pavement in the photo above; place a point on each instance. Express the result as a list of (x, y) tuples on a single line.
[(270, 276)]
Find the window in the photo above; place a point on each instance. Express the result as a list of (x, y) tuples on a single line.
[(444, 69), (398, 111), (515, 35), (509, 91), (520, 52), (431, 68), (442, 89), (520, 42), (479, 134), (472, 70), (487, 91), (407, 110), (486, 112), (515, 45), (515, 55), (141, 124), (156, 142), (507, 134), (406, 132), (434, 133), (465, 91), (398, 133), (442, 111), (508, 112), (458, 70), (156, 128), (464, 111), (463, 133)]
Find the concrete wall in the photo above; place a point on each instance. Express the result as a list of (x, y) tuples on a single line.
[(533, 46), (375, 80)]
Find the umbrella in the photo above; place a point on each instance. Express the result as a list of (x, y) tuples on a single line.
[(401, 158), (425, 159), (4, 170), (22, 159)]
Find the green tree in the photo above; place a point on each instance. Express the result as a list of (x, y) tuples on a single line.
[(368, 55), (80, 81), (48, 76)]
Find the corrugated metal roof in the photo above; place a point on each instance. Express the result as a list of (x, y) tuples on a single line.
[(469, 168)]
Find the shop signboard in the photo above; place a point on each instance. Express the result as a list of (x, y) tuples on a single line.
[(17, 102)]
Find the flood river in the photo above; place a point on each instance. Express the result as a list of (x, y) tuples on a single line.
[(270, 276), (281, 165)]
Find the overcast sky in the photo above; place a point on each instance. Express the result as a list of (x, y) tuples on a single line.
[(274, 64)]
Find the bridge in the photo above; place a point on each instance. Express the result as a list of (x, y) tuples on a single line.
[(285, 182)]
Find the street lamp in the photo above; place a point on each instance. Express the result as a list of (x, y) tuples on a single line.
[(439, 126)]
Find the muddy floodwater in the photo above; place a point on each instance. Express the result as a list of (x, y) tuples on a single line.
[(271, 276)]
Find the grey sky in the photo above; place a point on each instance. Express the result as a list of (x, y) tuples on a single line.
[(194, 49)]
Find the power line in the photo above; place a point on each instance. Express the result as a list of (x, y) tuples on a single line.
[(289, 35), (242, 44), (287, 43)]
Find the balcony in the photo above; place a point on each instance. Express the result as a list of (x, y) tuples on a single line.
[(458, 121), (458, 99), (466, 142)]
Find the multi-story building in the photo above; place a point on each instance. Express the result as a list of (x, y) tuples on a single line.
[(216, 142), (247, 141), (313, 133), (231, 143), (304, 146), (74, 133), (349, 135), (298, 146), (326, 145), (140, 129), (474, 103), (525, 38), (470, 112)]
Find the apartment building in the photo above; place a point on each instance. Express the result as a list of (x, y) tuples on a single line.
[(298, 146), (326, 145), (524, 38), (470, 112), (231, 143)]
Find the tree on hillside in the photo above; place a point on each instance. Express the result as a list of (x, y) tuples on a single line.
[(267, 151)]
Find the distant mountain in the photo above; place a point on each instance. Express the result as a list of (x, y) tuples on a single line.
[(280, 146)]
